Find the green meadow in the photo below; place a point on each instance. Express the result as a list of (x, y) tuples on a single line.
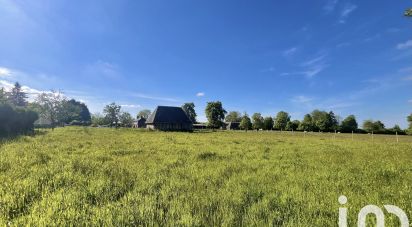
[(102, 176)]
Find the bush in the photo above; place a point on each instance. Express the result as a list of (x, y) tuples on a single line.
[(16, 121)]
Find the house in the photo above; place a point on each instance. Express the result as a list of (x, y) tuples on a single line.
[(140, 123), (169, 118), (233, 126), (200, 126)]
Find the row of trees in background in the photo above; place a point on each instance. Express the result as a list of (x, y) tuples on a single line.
[(317, 120), (18, 115)]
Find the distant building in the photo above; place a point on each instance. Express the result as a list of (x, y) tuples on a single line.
[(169, 118), (233, 126), (200, 126), (140, 123)]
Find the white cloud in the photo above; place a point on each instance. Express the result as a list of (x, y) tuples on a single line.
[(289, 52), (346, 11), (200, 94), (310, 68), (405, 45), (5, 72), (130, 106), (330, 6)]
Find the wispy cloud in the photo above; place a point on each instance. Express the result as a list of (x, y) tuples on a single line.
[(311, 67), (200, 94), (408, 78), (348, 8), (144, 96), (103, 69), (130, 106), (405, 45), (410, 100), (289, 52), (330, 6)]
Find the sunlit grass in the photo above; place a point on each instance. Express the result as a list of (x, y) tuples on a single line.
[(102, 176)]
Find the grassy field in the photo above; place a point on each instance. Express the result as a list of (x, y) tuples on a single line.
[(102, 176)]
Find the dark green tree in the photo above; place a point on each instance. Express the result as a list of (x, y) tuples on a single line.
[(281, 120), (292, 125), (3, 96), (189, 109), (333, 123), (349, 124), (409, 119), (268, 123), (306, 124), (375, 127), (215, 114), (257, 121), (245, 123), (408, 13), (112, 112), (16, 96)]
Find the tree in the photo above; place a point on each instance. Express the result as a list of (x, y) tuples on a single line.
[(144, 113), (375, 127), (409, 118), (307, 123), (3, 96), (189, 109), (349, 124), (79, 112), (281, 120), (245, 123), (257, 121), (50, 106), (112, 112), (126, 119), (408, 13), (320, 120), (99, 119), (233, 116), (268, 123), (292, 125), (16, 96), (333, 123), (215, 114), (14, 121)]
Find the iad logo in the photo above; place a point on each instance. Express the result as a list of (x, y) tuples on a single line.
[(371, 209)]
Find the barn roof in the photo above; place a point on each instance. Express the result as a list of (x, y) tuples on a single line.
[(168, 114)]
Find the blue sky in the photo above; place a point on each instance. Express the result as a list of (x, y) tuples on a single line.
[(352, 57)]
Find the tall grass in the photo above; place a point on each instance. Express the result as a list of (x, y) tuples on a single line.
[(86, 176)]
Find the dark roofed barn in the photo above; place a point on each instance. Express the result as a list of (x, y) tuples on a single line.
[(233, 126), (169, 118), (140, 123)]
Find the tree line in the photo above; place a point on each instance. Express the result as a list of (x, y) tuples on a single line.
[(317, 120), (18, 115)]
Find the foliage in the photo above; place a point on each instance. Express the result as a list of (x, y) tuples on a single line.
[(306, 124), (83, 177), (144, 113), (215, 114), (292, 125), (257, 121), (373, 126), (349, 124), (14, 121), (99, 119), (233, 116), (245, 123), (3, 96), (268, 123), (281, 120), (112, 112), (126, 119), (50, 106), (16, 96), (408, 13), (189, 109), (78, 111), (409, 119)]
